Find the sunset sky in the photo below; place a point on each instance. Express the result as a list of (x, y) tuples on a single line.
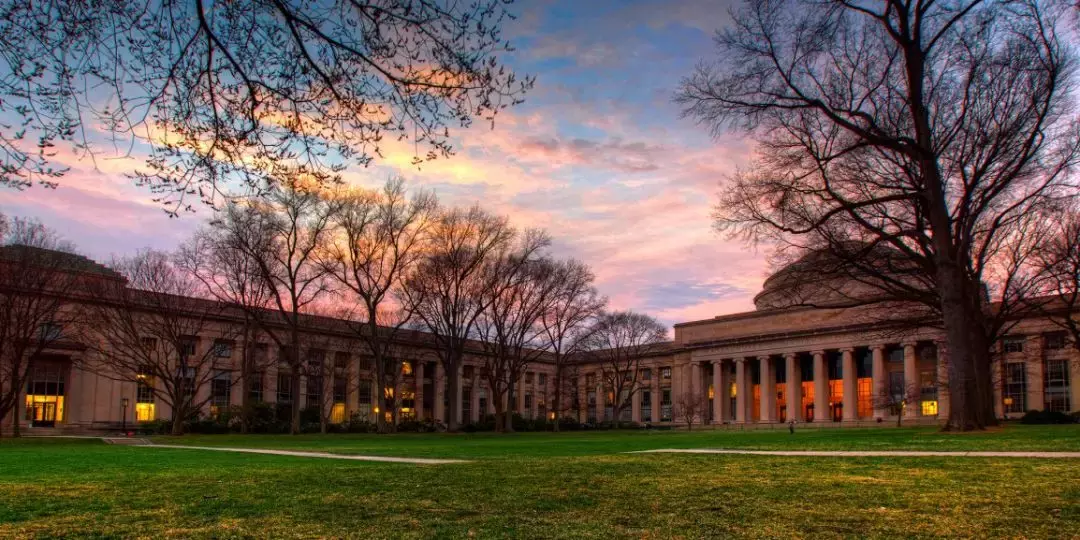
[(597, 155)]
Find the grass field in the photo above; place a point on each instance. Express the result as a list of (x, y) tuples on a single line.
[(569, 485)]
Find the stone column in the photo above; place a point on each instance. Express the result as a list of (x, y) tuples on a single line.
[(695, 378), (911, 381), (821, 388), (583, 399), (851, 386), (601, 398), (720, 392), (997, 382), (439, 384), (741, 400), (768, 390), (794, 387), (418, 399), (942, 380), (880, 377), (474, 398), (656, 395), (1036, 372)]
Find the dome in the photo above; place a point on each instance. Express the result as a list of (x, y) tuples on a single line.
[(831, 277)]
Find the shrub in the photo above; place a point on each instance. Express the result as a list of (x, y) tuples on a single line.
[(1047, 417)]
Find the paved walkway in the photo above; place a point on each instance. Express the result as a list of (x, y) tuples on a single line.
[(860, 453), (326, 455)]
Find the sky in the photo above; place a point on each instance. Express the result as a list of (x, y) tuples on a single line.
[(598, 155)]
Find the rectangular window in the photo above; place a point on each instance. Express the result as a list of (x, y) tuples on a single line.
[(284, 387), (220, 391), (255, 387), (1012, 344), (1015, 388), (590, 380), (50, 332), (187, 346), (467, 373), (646, 406), (363, 394), (314, 386), (1057, 386), (665, 374), (1054, 341), (223, 348), (665, 404), (528, 377), (364, 363), (646, 374), (528, 405), (543, 379), (466, 404)]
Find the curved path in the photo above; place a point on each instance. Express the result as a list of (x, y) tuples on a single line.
[(862, 453), (326, 455)]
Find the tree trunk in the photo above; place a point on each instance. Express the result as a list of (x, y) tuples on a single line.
[(15, 429), (508, 420), (294, 380), (453, 377), (177, 423), (557, 417)]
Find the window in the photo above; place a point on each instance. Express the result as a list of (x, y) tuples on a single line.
[(646, 406), (284, 387), (590, 381), (223, 348), (1012, 344), (1015, 387), (1054, 341), (314, 386), (406, 368), (528, 405), (50, 331), (646, 374), (187, 380), (466, 404), (363, 393), (528, 377), (187, 346), (149, 344), (255, 388), (467, 372), (365, 363), (543, 379), (341, 361), (220, 391), (665, 404), (1057, 386), (144, 398), (665, 374)]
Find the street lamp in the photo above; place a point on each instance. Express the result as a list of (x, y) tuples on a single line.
[(123, 415)]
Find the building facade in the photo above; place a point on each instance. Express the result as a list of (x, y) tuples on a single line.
[(776, 364)]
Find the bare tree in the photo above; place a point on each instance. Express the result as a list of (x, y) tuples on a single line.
[(152, 331), (931, 130), (895, 399), (445, 291), (1058, 266), (231, 277), (691, 407), (619, 341), (249, 91), (381, 239), (37, 272), (566, 322), (520, 288), (284, 237)]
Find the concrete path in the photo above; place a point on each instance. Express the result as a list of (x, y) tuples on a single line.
[(326, 455), (861, 453)]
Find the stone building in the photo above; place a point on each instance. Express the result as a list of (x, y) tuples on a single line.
[(784, 361)]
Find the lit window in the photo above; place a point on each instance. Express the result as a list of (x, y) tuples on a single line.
[(929, 408)]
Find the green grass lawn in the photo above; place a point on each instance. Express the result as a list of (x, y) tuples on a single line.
[(492, 445), (569, 485)]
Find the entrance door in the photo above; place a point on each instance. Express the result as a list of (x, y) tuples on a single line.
[(45, 392)]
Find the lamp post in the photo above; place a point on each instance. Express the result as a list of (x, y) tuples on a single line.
[(123, 415)]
